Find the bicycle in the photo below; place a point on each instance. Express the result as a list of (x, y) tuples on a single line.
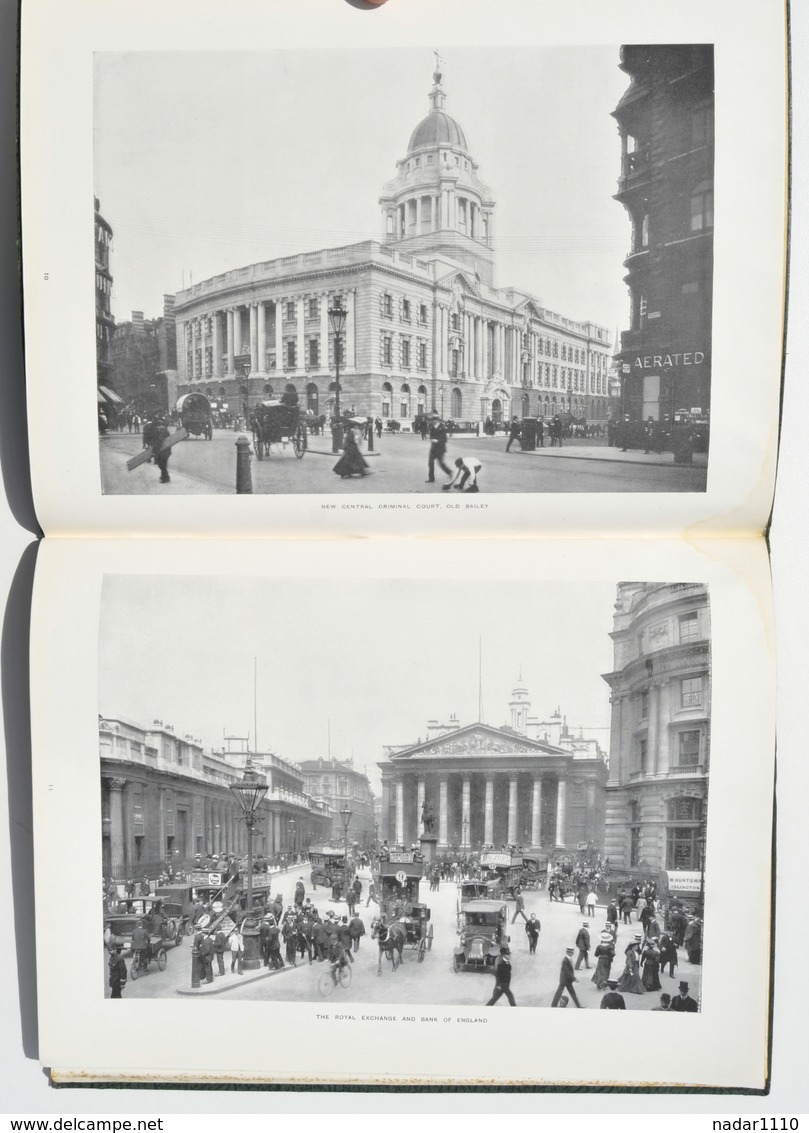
[(329, 980)]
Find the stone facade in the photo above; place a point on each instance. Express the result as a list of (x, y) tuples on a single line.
[(426, 326), (338, 784), (657, 792)]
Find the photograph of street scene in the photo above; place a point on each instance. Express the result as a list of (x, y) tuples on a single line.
[(484, 286), (440, 809)]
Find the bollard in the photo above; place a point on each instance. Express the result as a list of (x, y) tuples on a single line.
[(370, 438), (196, 966), (244, 479)]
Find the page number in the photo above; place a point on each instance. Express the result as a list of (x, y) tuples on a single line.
[(47, 275)]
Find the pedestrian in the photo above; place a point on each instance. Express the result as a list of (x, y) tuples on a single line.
[(540, 433), (356, 930), (650, 962), (566, 980), (205, 950), (668, 954), (352, 462), (630, 980), (626, 909), (502, 978), (345, 938), (145, 889), (290, 935), (604, 954), (692, 941), (592, 901), (532, 931), (519, 902), (583, 945), (612, 1000), (371, 895), (665, 1003), (612, 913), (378, 427), (274, 946), (220, 943), (683, 1001), (300, 893), (466, 466), (117, 968), (581, 897), (514, 434), (237, 951), (154, 434), (438, 447)]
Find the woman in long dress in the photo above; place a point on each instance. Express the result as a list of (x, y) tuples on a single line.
[(630, 981), (604, 954), (351, 463), (651, 967)]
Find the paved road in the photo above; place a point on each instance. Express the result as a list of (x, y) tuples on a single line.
[(399, 465), (432, 982)]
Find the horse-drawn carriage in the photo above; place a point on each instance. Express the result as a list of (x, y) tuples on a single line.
[(406, 918), (278, 423), (196, 415)]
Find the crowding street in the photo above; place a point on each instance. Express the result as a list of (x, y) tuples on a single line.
[(534, 975), (397, 464)]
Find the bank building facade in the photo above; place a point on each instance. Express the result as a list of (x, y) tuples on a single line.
[(531, 782), (426, 328)]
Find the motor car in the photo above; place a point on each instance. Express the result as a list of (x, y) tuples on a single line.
[(481, 932)]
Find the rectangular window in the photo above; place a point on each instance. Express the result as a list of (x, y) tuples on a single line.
[(387, 350), (643, 752), (634, 845), (689, 626), (387, 305), (406, 352), (406, 310), (422, 355), (423, 313), (691, 693), (314, 352), (688, 754), (290, 306), (314, 308), (292, 354)]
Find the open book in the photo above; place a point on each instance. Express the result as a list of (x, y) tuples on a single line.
[(404, 577)]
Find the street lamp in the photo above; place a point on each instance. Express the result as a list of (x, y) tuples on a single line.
[(292, 836), (249, 792), (245, 368), (345, 815), (337, 322)]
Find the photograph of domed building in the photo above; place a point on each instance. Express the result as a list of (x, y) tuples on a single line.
[(427, 327)]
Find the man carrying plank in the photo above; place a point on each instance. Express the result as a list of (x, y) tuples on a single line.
[(157, 442)]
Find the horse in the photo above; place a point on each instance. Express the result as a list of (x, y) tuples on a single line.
[(391, 940)]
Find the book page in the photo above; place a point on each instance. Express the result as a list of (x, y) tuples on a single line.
[(353, 273), (515, 773)]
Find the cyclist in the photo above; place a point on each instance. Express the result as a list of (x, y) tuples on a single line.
[(337, 957), (141, 946)]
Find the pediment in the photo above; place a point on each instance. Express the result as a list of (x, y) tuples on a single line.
[(460, 284), (528, 310), (475, 740)]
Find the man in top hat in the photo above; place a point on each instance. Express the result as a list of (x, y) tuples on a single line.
[(154, 433), (583, 945), (502, 978), (566, 980), (683, 1001)]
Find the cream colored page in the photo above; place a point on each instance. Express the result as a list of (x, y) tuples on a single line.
[(390, 48), (463, 592)]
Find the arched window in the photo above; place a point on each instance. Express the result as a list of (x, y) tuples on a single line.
[(456, 403), (404, 401), (702, 206), (422, 399), (387, 397), (312, 399), (497, 411)]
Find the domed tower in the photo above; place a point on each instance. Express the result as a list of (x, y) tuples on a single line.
[(437, 202), (519, 705)]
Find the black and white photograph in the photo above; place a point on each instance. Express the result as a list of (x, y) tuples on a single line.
[(415, 804), (400, 270)]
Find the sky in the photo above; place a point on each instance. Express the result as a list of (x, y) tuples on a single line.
[(204, 162), (402, 652)]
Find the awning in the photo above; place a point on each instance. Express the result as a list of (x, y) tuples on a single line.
[(111, 395)]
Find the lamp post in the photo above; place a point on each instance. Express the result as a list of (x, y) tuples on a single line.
[(292, 837), (345, 815), (249, 792), (337, 322), (246, 371)]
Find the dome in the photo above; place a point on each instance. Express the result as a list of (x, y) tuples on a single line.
[(435, 130)]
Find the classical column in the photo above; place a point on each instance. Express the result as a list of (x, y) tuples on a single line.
[(437, 212), (207, 826), (216, 345), (512, 812), (300, 349), (279, 339), (237, 330), (277, 834), (117, 856), (536, 813), (442, 813), (350, 361), (561, 800), (384, 829), (324, 331), (400, 811), (261, 312), (419, 804), (488, 813), (418, 215), (466, 818), (231, 349), (481, 370), (253, 337)]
